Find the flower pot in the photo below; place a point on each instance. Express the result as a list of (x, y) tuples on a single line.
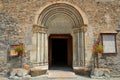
[(19, 52)]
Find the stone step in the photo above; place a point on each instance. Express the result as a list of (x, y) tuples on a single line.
[(61, 74)]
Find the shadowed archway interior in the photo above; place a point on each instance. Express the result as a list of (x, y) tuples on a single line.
[(59, 52)]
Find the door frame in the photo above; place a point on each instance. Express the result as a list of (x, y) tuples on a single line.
[(69, 46)]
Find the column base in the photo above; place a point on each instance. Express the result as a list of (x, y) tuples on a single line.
[(82, 71), (39, 70)]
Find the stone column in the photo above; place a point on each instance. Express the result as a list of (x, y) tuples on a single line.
[(46, 50), (80, 46), (38, 48), (83, 30), (77, 46), (42, 44), (42, 48)]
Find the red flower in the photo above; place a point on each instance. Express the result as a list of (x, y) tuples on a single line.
[(19, 52), (98, 48)]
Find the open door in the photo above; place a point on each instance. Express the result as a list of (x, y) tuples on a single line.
[(60, 50)]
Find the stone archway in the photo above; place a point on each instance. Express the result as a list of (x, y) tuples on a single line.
[(60, 18)]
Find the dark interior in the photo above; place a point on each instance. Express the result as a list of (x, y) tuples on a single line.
[(59, 52)]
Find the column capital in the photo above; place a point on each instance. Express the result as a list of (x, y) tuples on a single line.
[(84, 28), (39, 29), (76, 30), (80, 29)]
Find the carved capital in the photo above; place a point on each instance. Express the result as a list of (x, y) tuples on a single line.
[(80, 29), (76, 30), (39, 29), (84, 28)]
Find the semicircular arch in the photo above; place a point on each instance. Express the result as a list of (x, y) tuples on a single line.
[(76, 15)]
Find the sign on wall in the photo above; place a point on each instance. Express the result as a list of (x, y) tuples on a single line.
[(109, 42)]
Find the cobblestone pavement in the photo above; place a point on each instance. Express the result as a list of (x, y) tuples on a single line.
[(44, 77), (77, 78)]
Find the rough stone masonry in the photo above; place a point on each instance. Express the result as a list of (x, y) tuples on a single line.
[(17, 18)]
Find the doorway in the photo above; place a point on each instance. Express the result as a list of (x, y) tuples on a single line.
[(60, 50)]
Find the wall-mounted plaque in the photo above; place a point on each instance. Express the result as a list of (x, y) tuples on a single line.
[(109, 42)]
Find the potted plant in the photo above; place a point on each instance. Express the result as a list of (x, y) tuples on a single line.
[(97, 49), (19, 49)]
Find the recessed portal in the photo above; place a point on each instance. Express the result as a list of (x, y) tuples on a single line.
[(60, 50)]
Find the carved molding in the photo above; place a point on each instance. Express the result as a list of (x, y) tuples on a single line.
[(80, 29), (76, 30), (39, 29)]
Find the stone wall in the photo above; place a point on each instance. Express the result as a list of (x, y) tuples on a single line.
[(9, 35), (112, 62), (6, 22), (19, 15)]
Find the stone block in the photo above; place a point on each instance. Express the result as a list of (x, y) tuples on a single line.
[(82, 71), (19, 72), (37, 71), (100, 73), (13, 72), (107, 73)]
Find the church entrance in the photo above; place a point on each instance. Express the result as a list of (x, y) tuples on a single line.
[(59, 36), (60, 50)]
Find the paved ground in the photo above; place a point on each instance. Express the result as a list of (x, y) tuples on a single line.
[(65, 74), (77, 78), (59, 74), (45, 77)]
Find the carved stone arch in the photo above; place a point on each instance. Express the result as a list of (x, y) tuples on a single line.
[(74, 17), (78, 9), (60, 8)]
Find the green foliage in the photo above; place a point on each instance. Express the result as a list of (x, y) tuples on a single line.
[(98, 48), (20, 48)]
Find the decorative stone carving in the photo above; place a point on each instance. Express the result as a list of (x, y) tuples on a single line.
[(76, 30), (38, 28), (80, 37), (84, 28), (80, 29)]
